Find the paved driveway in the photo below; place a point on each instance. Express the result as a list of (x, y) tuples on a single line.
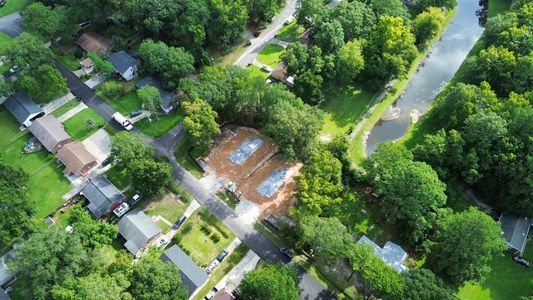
[(99, 145), (11, 25)]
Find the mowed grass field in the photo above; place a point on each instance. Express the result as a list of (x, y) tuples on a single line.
[(13, 6), (270, 55), (77, 126), (290, 33)]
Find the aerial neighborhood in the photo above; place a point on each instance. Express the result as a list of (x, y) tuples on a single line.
[(266, 149)]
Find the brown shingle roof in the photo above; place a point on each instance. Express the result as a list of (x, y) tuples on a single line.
[(76, 158), (49, 131), (93, 42)]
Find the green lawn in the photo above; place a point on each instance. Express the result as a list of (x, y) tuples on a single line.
[(270, 55), (344, 107), (47, 184), (498, 6), (290, 33), (127, 103), (120, 178), (165, 228), (228, 55), (229, 263), (9, 128), (185, 160), (13, 6), (166, 206), (65, 107), (5, 42), (160, 126), (257, 72), (202, 249), (77, 128), (507, 280)]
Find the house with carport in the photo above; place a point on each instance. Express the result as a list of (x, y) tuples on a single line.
[(102, 195), (192, 276), (77, 160)]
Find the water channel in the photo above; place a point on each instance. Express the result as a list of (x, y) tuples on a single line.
[(437, 69)]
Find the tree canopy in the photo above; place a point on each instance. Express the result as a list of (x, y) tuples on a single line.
[(269, 283), (154, 279), (200, 123)]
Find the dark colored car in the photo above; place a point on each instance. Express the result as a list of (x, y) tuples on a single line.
[(106, 162), (180, 221), (2, 3), (522, 261), (287, 252), (136, 113), (222, 255)]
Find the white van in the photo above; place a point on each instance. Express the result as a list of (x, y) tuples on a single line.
[(122, 121)]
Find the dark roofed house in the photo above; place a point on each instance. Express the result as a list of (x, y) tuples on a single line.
[(93, 42), (192, 275), (23, 108), (102, 195), (50, 132), (515, 231), (280, 74), (124, 64), (77, 160), (168, 96), (139, 230)]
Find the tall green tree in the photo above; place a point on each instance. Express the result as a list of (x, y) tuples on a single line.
[(350, 62), (148, 176), (44, 83), (200, 123), (465, 245), (427, 24), (327, 237), (94, 286), (42, 20), (393, 8), (269, 283), (154, 279), (422, 284), (28, 53), (260, 11), (102, 66), (93, 233), (126, 148), (356, 18), (329, 36), (228, 21), (422, 5), (151, 98), (308, 11)]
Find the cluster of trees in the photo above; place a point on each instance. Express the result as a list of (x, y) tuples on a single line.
[(56, 264), (237, 96), (149, 172), (49, 22), (369, 43), (35, 72), (270, 282), (482, 136)]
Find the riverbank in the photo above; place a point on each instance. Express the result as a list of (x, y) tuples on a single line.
[(357, 144)]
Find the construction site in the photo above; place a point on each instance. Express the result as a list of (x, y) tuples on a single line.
[(249, 165)]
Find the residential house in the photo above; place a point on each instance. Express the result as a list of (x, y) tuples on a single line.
[(191, 274), (280, 74), (392, 254), (102, 195), (93, 42), (87, 65), (168, 96), (77, 160), (515, 231), (139, 230), (50, 132), (23, 108), (124, 64), (223, 295)]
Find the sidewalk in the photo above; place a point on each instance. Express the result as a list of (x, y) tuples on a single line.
[(69, 114), (51, 106)]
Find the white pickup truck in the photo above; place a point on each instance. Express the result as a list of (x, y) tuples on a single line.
[(122, 121)]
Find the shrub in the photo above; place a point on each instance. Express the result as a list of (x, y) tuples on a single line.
[(186, 228), (111, 89), (205, 229), (215, 238)]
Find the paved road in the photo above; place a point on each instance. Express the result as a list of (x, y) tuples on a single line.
[(11, 24), (266, 35)]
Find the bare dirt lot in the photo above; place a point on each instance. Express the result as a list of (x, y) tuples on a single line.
[(257, 167)]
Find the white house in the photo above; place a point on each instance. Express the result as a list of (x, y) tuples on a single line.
[(124, 64)]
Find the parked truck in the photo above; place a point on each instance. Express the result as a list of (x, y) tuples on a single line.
[(122, 121)]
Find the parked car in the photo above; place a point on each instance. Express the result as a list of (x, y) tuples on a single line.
[(106, 162), (136, 113), (287, 252), (222, 255), (2, 3), (180, 221), (288, 20), (266, 68), (84, 24), (136, 198), (212, 266), (211, 294), (522, 261), (161, 243)]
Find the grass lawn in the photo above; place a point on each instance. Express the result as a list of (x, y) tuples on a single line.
[(166, 206), (257, 72), (13, 6), (202, 249), (290, 33), (69, 61), (120, 178), (5, 42), (270, 55), (229, 263), (507, 280), (46, 185), (159, 127), (165, 228), (77, 128), (65, 107), (185, 160), (9, 128), (126, 103), (343, 107), (230, 54)]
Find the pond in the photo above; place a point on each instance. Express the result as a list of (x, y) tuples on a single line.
[(438, 68)]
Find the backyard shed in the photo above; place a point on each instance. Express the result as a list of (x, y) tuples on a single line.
[(124, 64), (138, 229), (392, 254), (77, 160), (168, 96), (515, 231), (102, 195), (23, 108), (192, 275), (93, 42), (50, 132)]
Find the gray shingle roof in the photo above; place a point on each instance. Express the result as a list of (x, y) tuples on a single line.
[(102, 194), (122, 61), (151, 81), (515, 231), (392, 254), (49, 131), (192, 275), (21, 106), (137, 228)]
